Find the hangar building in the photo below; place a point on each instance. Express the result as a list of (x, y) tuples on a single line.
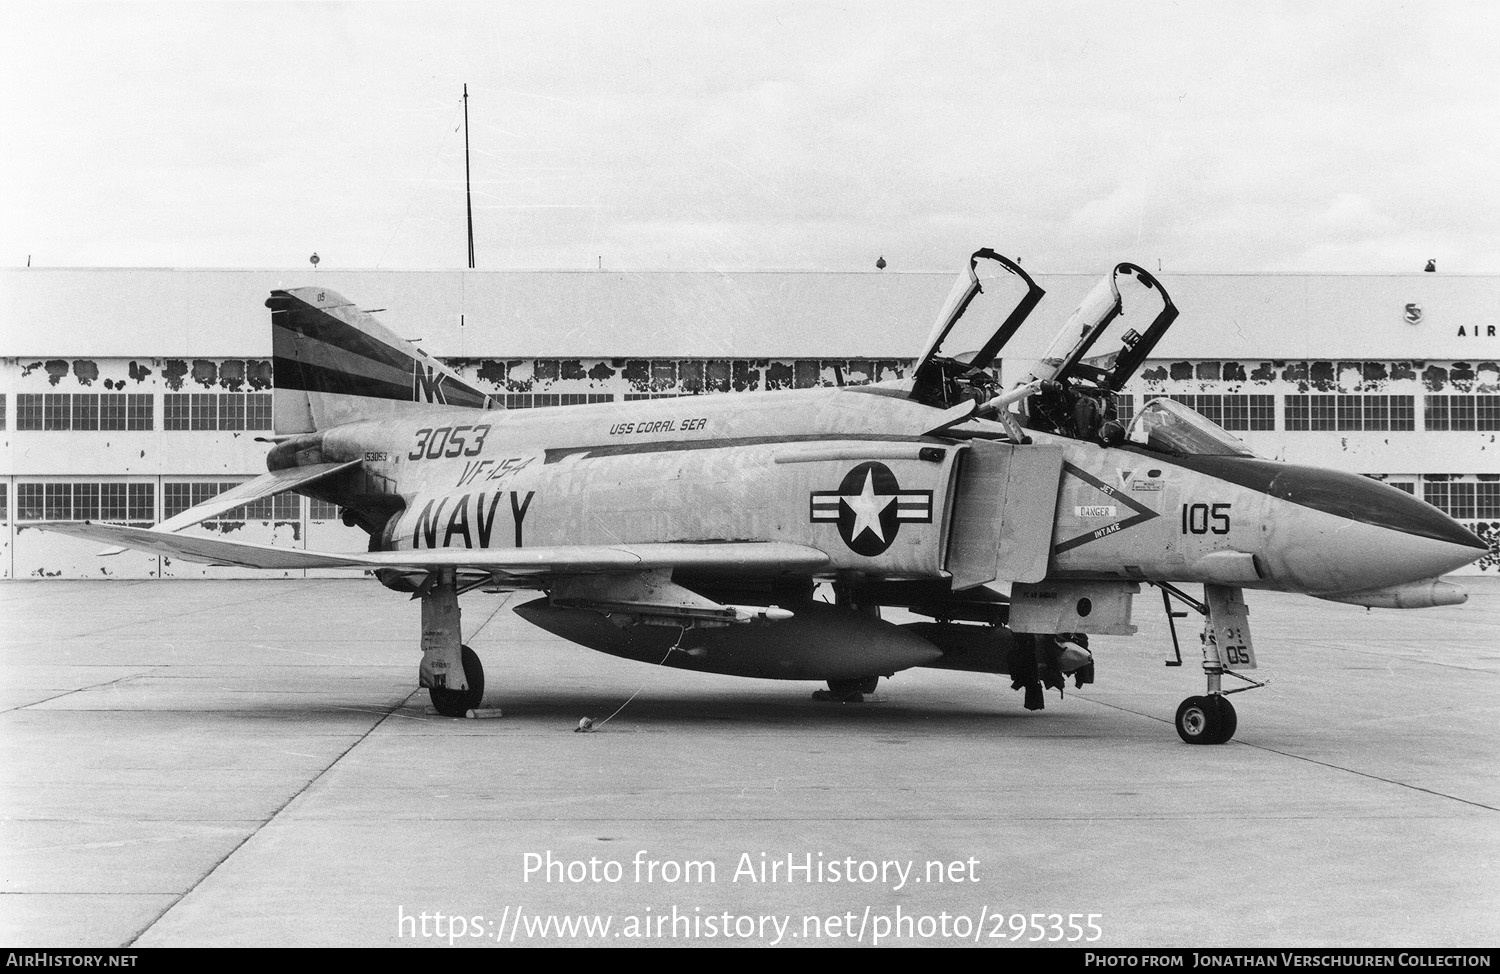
[(131, 394)]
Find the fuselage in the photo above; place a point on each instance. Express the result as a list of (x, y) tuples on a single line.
[(851, 472), (691, 531)]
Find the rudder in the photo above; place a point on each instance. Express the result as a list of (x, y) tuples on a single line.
[(336, 364)]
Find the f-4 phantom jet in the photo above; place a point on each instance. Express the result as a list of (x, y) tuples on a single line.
[(693, 532)]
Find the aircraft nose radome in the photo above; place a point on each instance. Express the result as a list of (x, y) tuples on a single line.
[(1413, 558), (1371, 502), (1388, 537)]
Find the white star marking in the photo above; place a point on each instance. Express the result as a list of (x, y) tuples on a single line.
[(867, 507)]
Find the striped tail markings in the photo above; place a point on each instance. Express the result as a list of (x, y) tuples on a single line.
[(335, 364)]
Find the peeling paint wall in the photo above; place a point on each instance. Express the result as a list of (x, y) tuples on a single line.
[(654, 377), (1490, 532), (86, 458), (1302, 376), (154, 451), (6, 519)]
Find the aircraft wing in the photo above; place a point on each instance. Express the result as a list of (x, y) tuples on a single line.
[(734, 556)]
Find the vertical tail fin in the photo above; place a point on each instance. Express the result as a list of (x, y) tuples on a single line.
[(336, 364)]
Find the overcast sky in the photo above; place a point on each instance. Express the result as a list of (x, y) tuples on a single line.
[(1361, 137)]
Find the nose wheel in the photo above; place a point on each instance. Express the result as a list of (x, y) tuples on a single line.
[(1210, 719), (1206, 720)]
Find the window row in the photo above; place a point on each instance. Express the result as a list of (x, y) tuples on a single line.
[(135, 503), (252, 411), (1350, 412), (234, 410), (216, 411), (132, 411), (699, 375), (1464, 500), (85, 411), (1462, 412), (69, 501), (529, 400), (1341, 412)]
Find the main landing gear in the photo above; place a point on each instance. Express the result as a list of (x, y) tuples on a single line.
[(1210, 719), (847, 691), (450, 671)]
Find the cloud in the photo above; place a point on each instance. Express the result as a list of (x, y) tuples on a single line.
[(1350, 214)]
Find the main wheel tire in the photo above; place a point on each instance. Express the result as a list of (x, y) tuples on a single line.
[(844, 688), (457, 703)]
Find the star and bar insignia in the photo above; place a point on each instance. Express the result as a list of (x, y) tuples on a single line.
[(870, 507)]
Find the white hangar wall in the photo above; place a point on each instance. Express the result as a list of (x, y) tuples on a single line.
[(103, 313), (129, 394)]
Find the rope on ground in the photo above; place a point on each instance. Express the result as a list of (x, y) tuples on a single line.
[(586, 725)]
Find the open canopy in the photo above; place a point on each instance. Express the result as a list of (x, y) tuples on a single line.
[(1167, 426), (989, 301), (1104, 341)]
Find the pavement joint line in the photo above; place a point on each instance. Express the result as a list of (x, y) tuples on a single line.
[(1322, 764), (392, 713), (226, 822), (268, 820), (68, 693), (1372, 777), (491, 617), (33, 703)]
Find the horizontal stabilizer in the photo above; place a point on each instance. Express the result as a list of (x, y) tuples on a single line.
[(266, 485), (528, 563)]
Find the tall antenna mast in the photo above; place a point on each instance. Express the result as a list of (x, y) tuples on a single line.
[(468, 195)]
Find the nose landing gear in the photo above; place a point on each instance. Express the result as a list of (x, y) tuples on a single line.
[(1210, 719)]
